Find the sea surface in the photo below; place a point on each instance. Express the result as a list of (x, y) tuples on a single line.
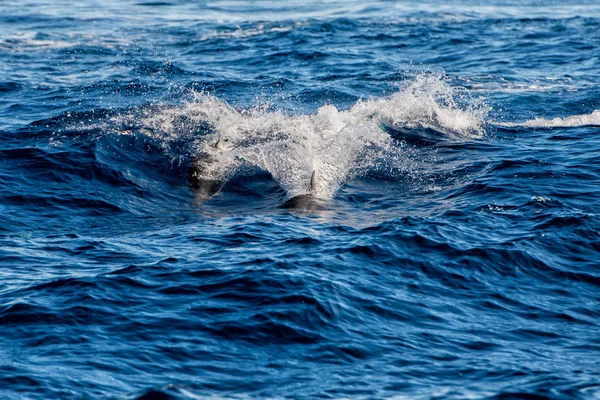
[(447, 155)]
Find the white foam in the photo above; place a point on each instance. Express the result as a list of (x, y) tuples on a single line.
[(26, 41), (254, 30), (23, 42), (329, 142), (571, 121)]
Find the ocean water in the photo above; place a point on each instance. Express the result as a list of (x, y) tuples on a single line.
[(448, 153)]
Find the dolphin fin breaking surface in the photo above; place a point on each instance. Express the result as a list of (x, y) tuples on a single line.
[(306, 202)]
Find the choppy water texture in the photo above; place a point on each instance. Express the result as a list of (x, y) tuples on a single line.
[(455, 251)]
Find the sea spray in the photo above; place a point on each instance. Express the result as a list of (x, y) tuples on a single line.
[(291, 147)]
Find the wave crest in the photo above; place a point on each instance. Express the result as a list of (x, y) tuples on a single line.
[(330, 142)]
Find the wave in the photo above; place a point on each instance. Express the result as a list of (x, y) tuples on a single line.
[(333, 143)]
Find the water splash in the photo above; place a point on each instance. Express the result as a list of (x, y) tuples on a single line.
[(430, 102), (291, 147)]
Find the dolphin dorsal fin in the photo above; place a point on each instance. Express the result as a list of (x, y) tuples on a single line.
[(313, 182)]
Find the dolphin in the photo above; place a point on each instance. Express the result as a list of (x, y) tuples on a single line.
[(197, 177), (306, 202), (206, 183)]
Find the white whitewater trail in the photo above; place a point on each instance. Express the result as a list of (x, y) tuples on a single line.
[(330, 142), (592, 119)]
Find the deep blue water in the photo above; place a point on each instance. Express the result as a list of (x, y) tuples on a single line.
[(455, 252)]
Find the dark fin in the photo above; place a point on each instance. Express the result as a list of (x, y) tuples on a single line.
[(306, 202), (216, 145), (313, 182)]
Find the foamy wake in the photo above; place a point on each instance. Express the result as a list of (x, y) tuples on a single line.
[(567, 122), (291, 147)]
